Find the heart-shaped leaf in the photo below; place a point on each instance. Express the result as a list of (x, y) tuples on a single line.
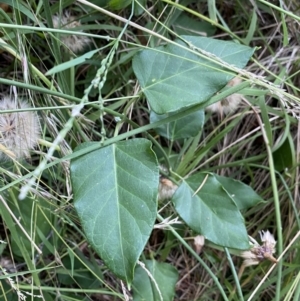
[(207, 208), (115, 195), (163, 274), (186, 127), (173, 78)]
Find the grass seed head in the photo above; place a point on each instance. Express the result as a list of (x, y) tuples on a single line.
[(19, 132), (228, 104), (166, 189), (199, 242), (76, 43)]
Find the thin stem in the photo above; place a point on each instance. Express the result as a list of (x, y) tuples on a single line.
[(107, 142), (235, 275), (199, 259), (297, 291), (19, 224), (273, 266), (276, 198)]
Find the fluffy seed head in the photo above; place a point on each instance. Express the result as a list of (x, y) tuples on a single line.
[(8, 265), (259, 253), (75, 43), (166, 189), (19, 132), (228, 104), (199, 242)]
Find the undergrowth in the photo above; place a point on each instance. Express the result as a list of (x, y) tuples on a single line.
[(75, 68)]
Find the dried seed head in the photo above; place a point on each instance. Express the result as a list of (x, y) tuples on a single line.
[(228, 104), (166, 189), (75, 43), (19, 132), (199, 242), (7, 264), (259, 253)]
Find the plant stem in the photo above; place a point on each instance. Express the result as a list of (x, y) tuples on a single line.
[(267, 136), (205, 266), (235, 276)]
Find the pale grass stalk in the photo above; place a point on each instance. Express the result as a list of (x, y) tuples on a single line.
[(34, 69), (17, 289), (275, 196), (7, 152), (20, 226), (124, 291), (201, 185), (142, 265), (293, 288)]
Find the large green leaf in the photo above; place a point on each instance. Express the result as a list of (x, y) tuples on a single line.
[(243, 195), (173, 78), (186, 127), (115, 195), (210, 211), (164, 275)]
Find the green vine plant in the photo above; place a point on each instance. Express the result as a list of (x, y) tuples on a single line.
[(145, 161), (115, 186)]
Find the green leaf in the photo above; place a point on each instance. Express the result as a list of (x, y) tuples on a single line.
[(118, 4), (243, 195), (20, 6), (185, 25), (139, 7), (186, 127), (210, 211), (115, 196), (173, 78), (72, 63), (284, 156), (165, 276), (75, 271)]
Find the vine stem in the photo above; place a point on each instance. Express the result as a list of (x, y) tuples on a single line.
[(199, 259), (235, 276), (267, 137)]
